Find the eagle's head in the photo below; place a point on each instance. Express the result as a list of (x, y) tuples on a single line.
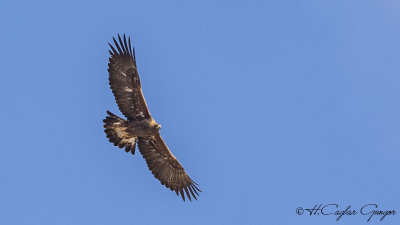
[(155, 125)]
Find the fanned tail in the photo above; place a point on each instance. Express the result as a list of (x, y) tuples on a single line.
[(115, 129)]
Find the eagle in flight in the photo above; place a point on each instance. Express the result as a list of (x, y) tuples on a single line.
[(140, 126)]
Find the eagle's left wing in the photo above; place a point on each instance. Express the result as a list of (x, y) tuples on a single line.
[(165, 167), (125, 82)]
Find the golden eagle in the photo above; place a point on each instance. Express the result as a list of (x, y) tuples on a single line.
[(140, 126)]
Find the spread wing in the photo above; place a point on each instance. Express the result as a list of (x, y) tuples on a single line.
[(125, 82), (165, 167)]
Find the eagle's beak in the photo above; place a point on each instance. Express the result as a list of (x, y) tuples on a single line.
[(159, 126)]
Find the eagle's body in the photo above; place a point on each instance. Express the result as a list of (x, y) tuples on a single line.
[(140, 127), (143, 128)]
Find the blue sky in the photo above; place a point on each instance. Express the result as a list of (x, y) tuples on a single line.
[(269, 106)]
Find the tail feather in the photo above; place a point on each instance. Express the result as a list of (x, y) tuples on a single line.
[(115, 129)]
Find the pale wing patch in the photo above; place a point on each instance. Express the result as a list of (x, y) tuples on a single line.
[(140, 114), (128, 89)]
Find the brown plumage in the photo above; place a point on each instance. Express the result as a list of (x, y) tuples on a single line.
[(140, 127)]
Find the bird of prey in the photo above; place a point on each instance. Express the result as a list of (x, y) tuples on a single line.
[(140, 127)]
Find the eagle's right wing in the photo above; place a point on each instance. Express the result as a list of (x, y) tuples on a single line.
[(125, 82), (165, 167)]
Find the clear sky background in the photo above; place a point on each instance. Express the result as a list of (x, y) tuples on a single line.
[(269, 106)]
